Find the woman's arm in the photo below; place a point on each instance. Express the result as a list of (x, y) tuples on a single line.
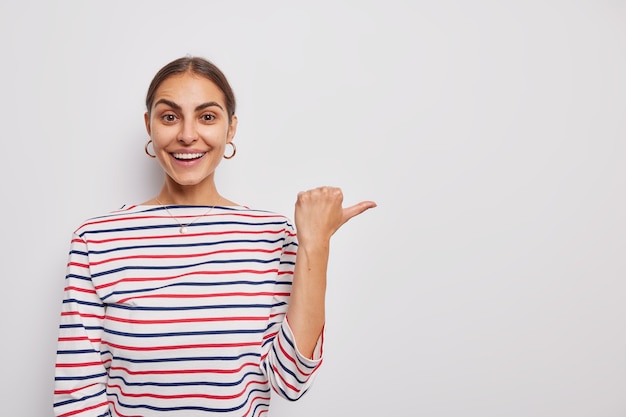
[(80, 375), (318, 215)]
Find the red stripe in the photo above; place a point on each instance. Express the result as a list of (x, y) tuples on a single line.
[(270, 336), (187, 296), (287, 355), (194, 255), (185, 371), (78, 339), (252, 402), (70, 391), (181, 396), (118, 413), (163, 216), (177, 347), (78, 265), (84, 315), (72, 288), (82, 410), (283, 379), (178, 235), (188, 320), (234, 271), (77, 365)]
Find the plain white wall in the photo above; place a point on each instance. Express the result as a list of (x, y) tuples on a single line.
[(491, 279)]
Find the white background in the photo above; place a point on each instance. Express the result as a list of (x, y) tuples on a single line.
[(491, 278)]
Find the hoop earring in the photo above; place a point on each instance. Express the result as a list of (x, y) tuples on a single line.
[(234, 151), (145, 148)]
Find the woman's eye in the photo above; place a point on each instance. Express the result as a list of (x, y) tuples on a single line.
[(208, 117), (168, 118)]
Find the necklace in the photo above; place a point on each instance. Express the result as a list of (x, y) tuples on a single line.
[(183, 227)]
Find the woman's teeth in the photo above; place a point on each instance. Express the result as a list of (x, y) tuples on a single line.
[(187, 155)]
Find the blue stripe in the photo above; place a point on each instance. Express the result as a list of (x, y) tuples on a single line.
[(79, 378), (186, 359), (285, 368), (200, 307), (142, 268), (187, 383), (79, 277), (75, 326), (191, 284), (181, 245), (205, 409), (174, 334), (76, 351), (176, 226), (293, 347), (81, 302), (73, 401)]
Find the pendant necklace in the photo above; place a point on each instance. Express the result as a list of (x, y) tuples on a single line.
[(183, 227)]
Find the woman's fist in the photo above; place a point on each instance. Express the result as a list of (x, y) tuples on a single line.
[(319, 213)]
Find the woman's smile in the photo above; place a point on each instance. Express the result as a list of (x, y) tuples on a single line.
[(188, 156)]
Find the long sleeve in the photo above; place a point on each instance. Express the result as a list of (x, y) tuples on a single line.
[(81, 374), (290, 373)]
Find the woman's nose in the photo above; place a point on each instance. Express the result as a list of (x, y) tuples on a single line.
[(188, 133)]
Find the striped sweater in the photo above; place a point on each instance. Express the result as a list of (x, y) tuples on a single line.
[(159, 323)]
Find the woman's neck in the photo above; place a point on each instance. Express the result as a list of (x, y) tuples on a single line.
[(191, 195)]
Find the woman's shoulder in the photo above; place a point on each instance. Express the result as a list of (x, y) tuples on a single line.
[(111, 216), (257, 215)]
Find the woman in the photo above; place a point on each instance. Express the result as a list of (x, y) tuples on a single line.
[(190, 304)]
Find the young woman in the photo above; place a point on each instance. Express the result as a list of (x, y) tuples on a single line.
[(191, 304)]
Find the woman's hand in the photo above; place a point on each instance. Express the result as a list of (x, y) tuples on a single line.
[(319, 214)]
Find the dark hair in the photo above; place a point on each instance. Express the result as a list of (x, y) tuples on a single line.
[(194, 65)]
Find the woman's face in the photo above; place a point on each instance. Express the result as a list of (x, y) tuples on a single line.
[(189, 128)]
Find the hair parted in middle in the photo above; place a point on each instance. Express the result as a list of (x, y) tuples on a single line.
[(194, 65)]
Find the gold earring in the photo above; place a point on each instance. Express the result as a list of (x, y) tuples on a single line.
[(234, 151), (147, 151)]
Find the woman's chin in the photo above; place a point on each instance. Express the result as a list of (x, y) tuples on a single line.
[(189, 180)]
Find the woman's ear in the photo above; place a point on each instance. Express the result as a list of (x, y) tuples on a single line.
[(232, 128), (146, 120)]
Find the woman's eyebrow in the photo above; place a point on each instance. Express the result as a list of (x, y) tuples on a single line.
[(198, 108), (208, 104), (168, 103)]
